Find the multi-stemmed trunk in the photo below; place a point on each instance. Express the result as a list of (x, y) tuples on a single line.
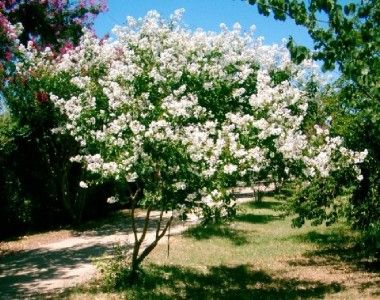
[(139, 252)]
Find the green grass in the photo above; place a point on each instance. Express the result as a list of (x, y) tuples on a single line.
[(258, 236), (256, 256)]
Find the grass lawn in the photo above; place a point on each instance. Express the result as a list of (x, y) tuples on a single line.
[(256, 256)]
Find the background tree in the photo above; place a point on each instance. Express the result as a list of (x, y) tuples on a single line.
[(347, 38), (40, 183), (54, 23)]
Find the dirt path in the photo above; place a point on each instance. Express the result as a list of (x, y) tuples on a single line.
[(53, 261)]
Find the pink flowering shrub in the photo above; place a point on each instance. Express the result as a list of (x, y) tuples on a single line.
[(53, 23)]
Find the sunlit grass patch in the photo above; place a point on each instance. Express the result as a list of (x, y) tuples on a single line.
[(258, 255)]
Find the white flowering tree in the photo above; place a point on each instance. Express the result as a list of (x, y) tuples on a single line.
[(185, 115)]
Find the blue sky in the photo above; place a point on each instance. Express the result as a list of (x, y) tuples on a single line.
[(207, 14)]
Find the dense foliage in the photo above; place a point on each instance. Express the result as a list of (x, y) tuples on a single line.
[(348, 38), (38, 183), (185, 116), (54, 23)]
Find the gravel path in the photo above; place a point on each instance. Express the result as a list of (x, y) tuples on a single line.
[(51, 262)]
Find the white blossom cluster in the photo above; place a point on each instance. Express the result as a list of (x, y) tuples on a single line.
[(194, 110)]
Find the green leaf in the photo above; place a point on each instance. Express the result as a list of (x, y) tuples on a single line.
[(263, 9), (349, 8)]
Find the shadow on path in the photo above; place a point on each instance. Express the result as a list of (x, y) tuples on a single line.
[(117, 222), (66, 262), (25, 273)]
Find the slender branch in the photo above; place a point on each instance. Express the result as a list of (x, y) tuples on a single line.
[(272, 7), (169, 239), (136, 247), (166, 228), (138, 242), (149, 249), (134, 229), (159, 222), (146, 223), (133, 200)]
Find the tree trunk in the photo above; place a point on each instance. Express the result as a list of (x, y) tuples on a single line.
[(137, 257)]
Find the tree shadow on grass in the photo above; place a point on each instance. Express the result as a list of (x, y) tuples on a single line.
[(257, 219), (332, 239), (202, 232), (224, 282), (273, 205), (337, 247)]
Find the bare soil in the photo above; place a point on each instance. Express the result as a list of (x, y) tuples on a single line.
[(47, 263)]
